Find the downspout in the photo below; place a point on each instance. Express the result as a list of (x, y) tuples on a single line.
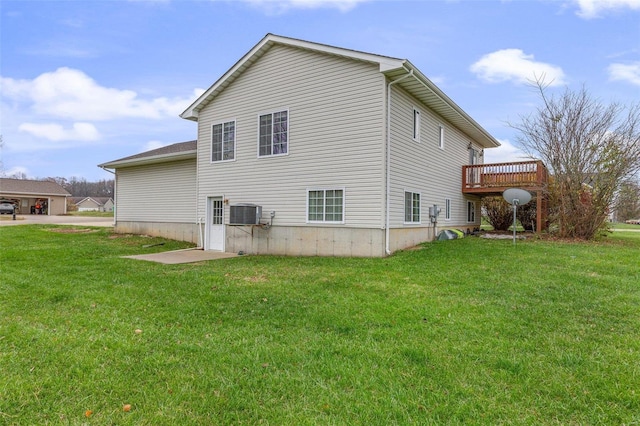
[(387, 249), (115, 190), (200, 221)]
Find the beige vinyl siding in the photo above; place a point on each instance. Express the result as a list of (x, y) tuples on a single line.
[(426, 168), (88, 205), (163, 192), (335, 136)]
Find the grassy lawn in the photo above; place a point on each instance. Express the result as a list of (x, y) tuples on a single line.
[(465, 331), (618, 225), (91, 214)]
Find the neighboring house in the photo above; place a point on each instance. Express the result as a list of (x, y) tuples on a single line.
[(344, 152), (93, 204), (34, 196)]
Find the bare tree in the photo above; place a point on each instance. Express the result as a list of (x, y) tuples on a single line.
[(590, 148), (627, 204), (498, 212)]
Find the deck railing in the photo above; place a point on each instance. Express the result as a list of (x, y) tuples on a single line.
[(496, 177)]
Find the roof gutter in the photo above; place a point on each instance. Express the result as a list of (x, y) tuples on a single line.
[(140, 161), (387, 233), (426, 83), (107, 170)]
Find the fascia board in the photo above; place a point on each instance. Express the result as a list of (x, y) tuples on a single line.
[(149, 160), (385, 64), (191, 113), (491, 142)]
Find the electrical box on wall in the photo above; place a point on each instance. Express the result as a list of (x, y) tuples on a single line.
[(434, 212), (245, 214)]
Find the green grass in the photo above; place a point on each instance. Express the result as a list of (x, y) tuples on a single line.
[(624, 226), (465, 331), (90, 214)]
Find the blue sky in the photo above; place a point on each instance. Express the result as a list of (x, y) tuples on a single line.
[(85, 82)]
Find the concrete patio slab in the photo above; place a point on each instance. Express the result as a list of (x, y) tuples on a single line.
[(182, 256)]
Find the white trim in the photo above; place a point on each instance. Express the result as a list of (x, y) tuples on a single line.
[(404, 207), (274, 111), (140, 161), (441, 136), (209, 217), (235, 133), (416, 125), (385, 64), (325, 189)]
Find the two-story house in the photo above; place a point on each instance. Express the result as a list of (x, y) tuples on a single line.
[(337, 152)]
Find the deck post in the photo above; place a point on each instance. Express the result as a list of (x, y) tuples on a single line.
[(538, 212)]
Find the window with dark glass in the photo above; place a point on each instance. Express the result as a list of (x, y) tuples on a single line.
[(411, 207), (223, 141), (274, 134)]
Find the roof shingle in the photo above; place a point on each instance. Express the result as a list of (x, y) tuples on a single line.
[(35, 187)]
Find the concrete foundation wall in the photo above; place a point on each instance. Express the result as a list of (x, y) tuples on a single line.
[(402, 238), (293, 240), (306, 241), (173, 231)]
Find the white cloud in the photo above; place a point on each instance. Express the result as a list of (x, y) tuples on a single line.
[(153, 145), (505, 153), (281, 6), (625, 72), (18, 171), (589, 9), (515, 66), (56, 132), (70, 93)]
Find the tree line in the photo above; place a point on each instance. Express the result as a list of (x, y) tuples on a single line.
[(80, 187)]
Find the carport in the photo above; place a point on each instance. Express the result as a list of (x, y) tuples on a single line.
[(34, 196)]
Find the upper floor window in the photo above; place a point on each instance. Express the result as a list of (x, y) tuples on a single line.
[(416, 125), (274, 134), (223, 141), (411, 207), (441, 137), (325, 205)]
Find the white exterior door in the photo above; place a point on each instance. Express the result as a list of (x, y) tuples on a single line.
[(215, 224)]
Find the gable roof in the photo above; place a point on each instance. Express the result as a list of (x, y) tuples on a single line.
[(173, 152), (99, 201), (393, 68), (36, 188)]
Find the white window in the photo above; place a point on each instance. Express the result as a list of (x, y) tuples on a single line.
[(416, 125), (325, 205), (471, 211), (273, 136), (447, 209), (441, 137), (223, 141), (411, 207)]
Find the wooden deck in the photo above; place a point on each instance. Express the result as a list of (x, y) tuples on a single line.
[(493, 179)]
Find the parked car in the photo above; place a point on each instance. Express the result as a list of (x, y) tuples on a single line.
[(6, 207)]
